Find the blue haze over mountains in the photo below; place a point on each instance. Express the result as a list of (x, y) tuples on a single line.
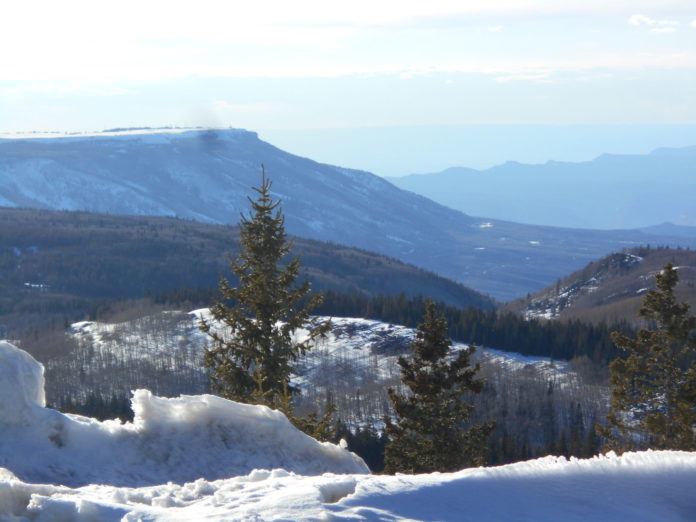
[(404, 150), (206, 175), (612, 191)]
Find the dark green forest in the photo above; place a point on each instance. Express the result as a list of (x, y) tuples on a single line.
[(57, 267), (503, 331)]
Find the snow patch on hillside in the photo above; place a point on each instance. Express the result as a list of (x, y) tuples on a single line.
[(353, 366), (550, 304), (352, 339), (368, 343)]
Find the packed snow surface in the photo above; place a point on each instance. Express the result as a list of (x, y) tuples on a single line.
[(179, 440), (646, 486)]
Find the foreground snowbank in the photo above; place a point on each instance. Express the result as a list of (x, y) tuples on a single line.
[(153, 468), (175, 440), (647, 486), (21, 385)]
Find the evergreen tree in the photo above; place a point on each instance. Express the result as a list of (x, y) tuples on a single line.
[(653, 402), (430, 433), (252, 355)]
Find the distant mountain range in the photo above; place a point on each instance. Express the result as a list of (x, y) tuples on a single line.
[(611, 289), (207, 175), (610, 192)]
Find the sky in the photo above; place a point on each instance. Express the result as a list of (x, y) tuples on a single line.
[(280, 66)]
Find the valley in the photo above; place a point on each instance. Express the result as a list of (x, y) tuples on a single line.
[(91, 293)]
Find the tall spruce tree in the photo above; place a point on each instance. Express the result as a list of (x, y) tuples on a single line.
[(252, 354), (430, 433), (653, 400)]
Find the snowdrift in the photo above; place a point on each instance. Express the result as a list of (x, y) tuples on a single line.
[(170, 440), (640, 487)]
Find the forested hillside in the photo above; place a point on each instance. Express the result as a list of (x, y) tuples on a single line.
[(63, 266), (539, 405), (610, 290), (87, 261), (497, 329)]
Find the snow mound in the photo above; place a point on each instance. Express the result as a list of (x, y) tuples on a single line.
[(640, 487), (170, 440), (21, 385)]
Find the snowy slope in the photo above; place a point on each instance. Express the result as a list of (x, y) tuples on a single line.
[(355, 363), (353, 369), (359, 342), (551, 305)]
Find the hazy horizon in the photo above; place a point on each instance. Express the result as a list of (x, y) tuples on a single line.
[(279, 67), (400, 151), (426, 149)]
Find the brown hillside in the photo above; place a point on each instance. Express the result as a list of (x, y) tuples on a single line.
[(611, 289)]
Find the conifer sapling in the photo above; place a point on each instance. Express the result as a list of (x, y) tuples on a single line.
[(430, 432)]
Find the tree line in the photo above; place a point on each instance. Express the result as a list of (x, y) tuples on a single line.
[(503, 331), (562, 340)]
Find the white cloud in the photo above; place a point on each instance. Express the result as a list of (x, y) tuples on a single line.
[(76, 40), (693, 24), (639, 19), (542, 77), (245, 108), (58, 89), (666, 26)]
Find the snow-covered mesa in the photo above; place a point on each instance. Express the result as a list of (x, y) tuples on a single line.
[(164, 466)]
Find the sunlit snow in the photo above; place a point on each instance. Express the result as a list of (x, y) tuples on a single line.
[(179, 439), (164, 466)]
